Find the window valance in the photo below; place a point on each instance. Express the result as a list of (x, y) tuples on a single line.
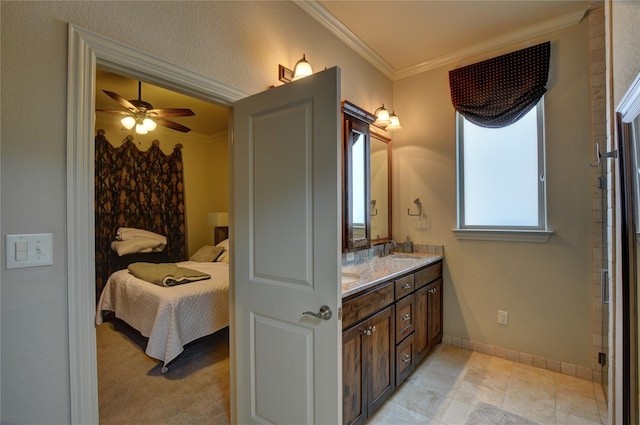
[(497, 92)]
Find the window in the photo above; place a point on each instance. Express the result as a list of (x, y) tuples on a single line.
[(501, 176)]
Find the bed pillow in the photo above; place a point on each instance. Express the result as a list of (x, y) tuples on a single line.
[(207, 254), (224, 257)]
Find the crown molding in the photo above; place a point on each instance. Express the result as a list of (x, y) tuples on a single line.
[(319, 13), (521, 36)]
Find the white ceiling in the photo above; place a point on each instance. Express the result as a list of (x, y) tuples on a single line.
[(400, 38)]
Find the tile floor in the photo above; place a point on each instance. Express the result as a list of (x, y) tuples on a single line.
[(446, 386)]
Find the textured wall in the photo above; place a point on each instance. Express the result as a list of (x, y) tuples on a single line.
[(238, 43)]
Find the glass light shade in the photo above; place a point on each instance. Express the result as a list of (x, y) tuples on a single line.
[(128, 122), (141, 129), (302, 69), (382, 116), (394, 122), (149, 124)]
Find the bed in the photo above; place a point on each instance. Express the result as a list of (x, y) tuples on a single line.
[(170, 317)]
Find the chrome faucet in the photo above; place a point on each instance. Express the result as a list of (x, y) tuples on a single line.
[(388, 248)]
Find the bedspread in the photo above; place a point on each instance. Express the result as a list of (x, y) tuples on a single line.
[(170, 317)]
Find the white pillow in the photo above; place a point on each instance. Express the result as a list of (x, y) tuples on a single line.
[(224, 257), (207, 254)]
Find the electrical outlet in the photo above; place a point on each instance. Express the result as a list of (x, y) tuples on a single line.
[(503, 317)]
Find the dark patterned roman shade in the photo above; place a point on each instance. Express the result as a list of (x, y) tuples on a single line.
[(498, 92)]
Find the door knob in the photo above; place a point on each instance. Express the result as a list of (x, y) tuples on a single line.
[(324, 313)]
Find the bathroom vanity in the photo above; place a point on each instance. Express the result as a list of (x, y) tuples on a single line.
[(391, 304), (391, 319)]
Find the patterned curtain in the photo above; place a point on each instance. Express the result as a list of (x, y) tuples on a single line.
[(498, 92), (137, 189)]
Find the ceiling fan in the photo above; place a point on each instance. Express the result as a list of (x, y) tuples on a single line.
[(143, 117)]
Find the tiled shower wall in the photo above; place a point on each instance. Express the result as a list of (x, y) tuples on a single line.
[(601, 185)]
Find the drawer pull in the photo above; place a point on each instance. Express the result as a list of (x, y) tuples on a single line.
[(406, 358), (406, 317), (406, 286)]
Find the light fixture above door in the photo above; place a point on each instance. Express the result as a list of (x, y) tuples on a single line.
[(301, 69)]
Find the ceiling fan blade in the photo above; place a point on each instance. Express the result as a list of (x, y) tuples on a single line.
[(121, 100), (172, 125), (171, 112), (114, 111)]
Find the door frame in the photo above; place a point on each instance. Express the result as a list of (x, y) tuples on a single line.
[(87, 50), (627, 390)]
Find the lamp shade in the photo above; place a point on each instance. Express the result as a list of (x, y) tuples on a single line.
[(302, 69), (128, 122), (382, 116), (141, 129), (394, 122), (216, 219), (149, 124)]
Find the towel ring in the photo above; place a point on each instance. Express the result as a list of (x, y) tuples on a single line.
[(419, 205)]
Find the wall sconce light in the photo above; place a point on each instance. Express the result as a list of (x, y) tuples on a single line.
[(385, 120), (300, 70)]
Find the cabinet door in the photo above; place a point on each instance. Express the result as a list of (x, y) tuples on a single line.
[(380, 368), (353, 396), (435, 314), (421, 337)]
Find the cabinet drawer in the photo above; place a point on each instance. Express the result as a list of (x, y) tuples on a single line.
[(405, 318), (404, 360), (428, 274), (404, 286), (363, 306)]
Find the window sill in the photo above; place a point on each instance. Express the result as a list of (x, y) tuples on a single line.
[(537, 236)]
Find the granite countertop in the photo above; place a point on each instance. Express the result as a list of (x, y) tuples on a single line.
[(358, 277)]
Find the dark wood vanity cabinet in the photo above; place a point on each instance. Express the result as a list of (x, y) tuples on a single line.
[(368, 355), (428, 306), (428, 333), (387, 331)]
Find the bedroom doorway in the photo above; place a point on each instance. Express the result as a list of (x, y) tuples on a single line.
[(88, 52), (203, 367)]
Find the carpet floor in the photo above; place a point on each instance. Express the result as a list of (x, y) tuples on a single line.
[(132, 389)]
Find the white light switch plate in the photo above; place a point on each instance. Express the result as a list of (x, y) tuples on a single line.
[(38, 250)]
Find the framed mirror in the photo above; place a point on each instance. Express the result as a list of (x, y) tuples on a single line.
[(356, 197), (380, 203), (366, 179)]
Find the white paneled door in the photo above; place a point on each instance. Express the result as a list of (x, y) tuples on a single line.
[(286, 253)]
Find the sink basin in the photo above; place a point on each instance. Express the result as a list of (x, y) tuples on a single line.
[(350, 277)]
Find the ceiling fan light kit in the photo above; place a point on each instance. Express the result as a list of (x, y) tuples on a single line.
[(143, 117)]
